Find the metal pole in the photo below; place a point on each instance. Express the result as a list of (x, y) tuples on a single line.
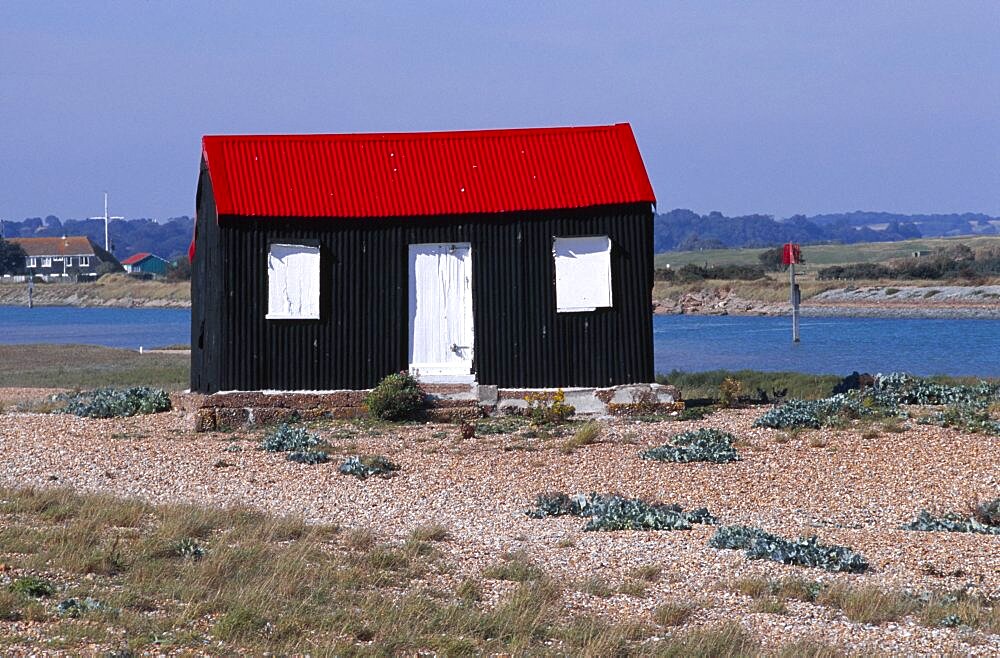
[(795, 303)]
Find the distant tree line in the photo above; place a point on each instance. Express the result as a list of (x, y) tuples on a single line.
[(168, 239), (692, 272), (685, 230), (956, 262)]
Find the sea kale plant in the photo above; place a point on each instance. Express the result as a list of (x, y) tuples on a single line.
[(612, 512), (114, 402), (883, 400), (397, 397), (804, 551), (286, 438), (907, 389), (702, 445), (971, 417), (827, 412), (952, 522), (365, 467)]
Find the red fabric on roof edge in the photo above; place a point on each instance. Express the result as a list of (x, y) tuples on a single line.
[(420, 174)]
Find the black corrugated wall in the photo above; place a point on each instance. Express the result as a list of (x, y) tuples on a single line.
[(520, 341)]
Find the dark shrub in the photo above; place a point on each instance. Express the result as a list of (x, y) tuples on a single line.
[(397, 397)]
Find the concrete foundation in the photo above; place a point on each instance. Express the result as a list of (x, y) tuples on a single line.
[(446, 403)]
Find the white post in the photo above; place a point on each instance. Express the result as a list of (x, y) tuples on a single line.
[(795, 303)]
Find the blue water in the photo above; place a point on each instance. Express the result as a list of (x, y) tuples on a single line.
[(112, 327), (682, 342), (828, 345)]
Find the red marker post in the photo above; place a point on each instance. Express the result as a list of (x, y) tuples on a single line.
[(791, 254)]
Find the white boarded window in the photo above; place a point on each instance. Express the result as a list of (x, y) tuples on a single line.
[(293, 282), (583, 273)]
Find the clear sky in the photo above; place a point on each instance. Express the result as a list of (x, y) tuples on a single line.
[(772, 107)]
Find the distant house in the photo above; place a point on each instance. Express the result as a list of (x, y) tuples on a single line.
[(70, 257), (146, 263)]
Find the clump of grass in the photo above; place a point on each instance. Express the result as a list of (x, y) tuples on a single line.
[(430, 532), (566, 542), (725, 640), (809, 648), (585, 436), (515, 566), (673, 614), (818, 441), (867, 604), (647, 573), (771, 605), (634, 587), (754, 586), (595, 586)]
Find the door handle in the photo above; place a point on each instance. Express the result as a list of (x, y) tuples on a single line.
[(455, 348)]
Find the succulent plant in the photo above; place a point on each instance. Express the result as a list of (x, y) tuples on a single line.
[(115, 402), (75, 607), (365, 467), (189, 548), (702, 445), (805, 551), (971, 417), (308, 457), (950, 522), (612, 512), (286, 438)]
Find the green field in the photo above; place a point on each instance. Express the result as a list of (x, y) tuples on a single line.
[(90, 366), (825, 254)]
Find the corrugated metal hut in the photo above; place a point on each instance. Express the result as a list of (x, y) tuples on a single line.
[(519, 258)]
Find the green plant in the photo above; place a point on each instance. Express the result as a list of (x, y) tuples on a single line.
[(310, 457), (430, 532), (286, 438), (548, 408), (33, 586), (705, 445), (806, 552), (396, 397), (189, 548), (73, 607), (612, 512), (729, 392), (950, 522), (968, 417), (987, 512), (514, 566), (867, 604), (115, 402), (367, 466)]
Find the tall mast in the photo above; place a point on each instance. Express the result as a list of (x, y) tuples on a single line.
[(107, 218)]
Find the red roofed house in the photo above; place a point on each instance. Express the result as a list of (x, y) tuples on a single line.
[(517, 258), (75, 256), (146, 263)]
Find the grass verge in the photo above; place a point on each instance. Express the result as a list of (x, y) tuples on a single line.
[(90, 366)]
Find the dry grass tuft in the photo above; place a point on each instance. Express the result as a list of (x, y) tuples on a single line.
[(867, 604), (585, 436), (430, 532), (673, 614)]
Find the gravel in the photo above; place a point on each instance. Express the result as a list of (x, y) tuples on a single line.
[(854, 491)]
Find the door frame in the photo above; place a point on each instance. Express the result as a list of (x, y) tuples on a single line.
[(463, 371)]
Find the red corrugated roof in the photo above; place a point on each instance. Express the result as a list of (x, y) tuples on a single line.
[(135, 258), (410, 174), (74, 245)]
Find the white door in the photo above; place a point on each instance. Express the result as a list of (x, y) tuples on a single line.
[(441, 336)]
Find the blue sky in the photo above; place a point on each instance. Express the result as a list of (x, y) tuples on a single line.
[(772, 107)]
